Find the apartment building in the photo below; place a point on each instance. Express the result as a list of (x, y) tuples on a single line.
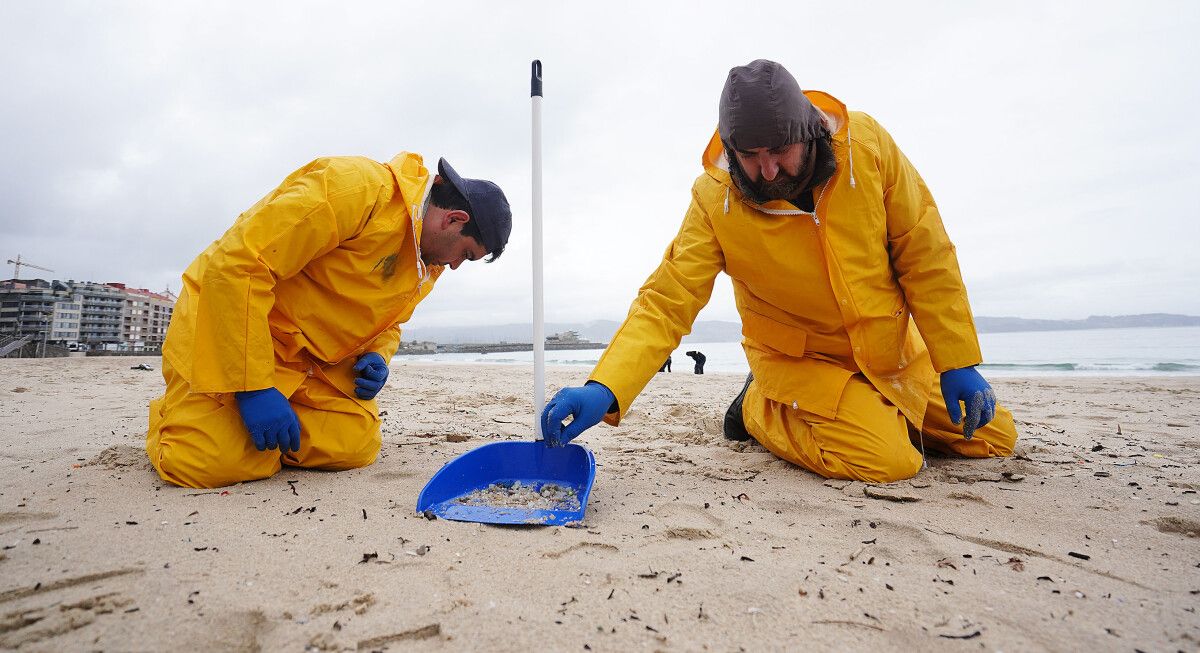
[(100, 321), (27, 306), (145, 317), (85, 314), (64, 326)]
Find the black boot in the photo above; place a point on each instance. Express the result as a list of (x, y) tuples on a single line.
[(735, 427)]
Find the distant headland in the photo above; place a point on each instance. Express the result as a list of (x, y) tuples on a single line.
[(592, 334)]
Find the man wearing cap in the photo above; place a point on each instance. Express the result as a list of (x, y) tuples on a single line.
[(855, 317), (282, 334)]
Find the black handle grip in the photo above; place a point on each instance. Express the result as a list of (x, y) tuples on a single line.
[(535, 81)]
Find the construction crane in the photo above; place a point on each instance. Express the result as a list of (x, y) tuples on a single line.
[(18, 263)]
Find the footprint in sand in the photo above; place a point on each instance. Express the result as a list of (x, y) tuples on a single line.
[(689, 533), (968, 496), (33, 626), (392, 476), (678, 411), (782, 507), (359, 604), (1014, 466), (711, 425), (14, 517), (1186, 527), (238, 631), (899, 533), (587, 547), (685, 521), (684, 434)]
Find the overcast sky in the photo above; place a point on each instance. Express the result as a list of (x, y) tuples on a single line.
[(1060, 139)]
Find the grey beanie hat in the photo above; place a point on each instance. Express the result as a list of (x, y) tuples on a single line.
[(763, 106)]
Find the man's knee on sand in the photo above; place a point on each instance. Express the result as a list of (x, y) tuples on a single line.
[(997, 439), (870, 467), (187, 466), (190, 466), (180, 462), (871, 450), (1001, 434), (336, 454), (884, 464), (336, 439), (993, 443), (198, 440), (200, 443)]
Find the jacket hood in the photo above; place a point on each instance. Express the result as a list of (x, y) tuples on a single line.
[(414, 182), (763, 106)]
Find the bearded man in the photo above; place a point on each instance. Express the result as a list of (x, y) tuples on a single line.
[(852, 304)]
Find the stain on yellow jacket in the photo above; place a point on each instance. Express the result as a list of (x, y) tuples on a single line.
[(891, 267), (322, 269)]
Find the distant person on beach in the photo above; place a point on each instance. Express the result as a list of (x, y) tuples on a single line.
[(666, 366), (857, 327), (699, 358), (283, 331)]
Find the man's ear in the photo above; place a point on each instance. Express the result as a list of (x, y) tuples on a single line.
[(457, 216)]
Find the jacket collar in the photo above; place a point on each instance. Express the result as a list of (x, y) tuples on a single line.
[(415, 182)]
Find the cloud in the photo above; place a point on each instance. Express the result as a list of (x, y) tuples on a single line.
[(1058, 140)]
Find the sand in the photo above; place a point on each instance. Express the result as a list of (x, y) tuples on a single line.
[(1085, 540)]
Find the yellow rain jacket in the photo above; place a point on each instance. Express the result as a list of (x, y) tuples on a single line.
[(885, 269), (321, 270)]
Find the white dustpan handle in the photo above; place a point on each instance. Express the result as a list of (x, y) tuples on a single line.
[(539, 331)]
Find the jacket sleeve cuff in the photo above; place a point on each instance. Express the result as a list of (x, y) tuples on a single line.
[(387, 343)]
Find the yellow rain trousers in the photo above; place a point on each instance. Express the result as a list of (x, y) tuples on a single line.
[(321, 270), (837, 308)]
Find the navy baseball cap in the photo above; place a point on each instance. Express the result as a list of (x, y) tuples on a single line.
[(489, 206)]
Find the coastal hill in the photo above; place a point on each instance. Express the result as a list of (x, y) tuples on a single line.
[(722, 331), (999, 324)]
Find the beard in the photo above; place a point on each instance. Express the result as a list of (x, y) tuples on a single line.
[(817, 169)]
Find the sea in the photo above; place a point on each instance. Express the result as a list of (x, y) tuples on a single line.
[(1146, 351)]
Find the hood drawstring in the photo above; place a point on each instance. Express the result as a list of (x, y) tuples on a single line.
[(422, 271), (850, 147), (415, 217), (726, 200)]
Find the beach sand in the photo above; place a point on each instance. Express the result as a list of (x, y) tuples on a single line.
[(1084, 540)]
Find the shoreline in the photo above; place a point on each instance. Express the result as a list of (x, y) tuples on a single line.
[(989, 374), (505, 347)]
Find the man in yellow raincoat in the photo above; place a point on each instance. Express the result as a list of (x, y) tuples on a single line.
[(855, 318), (281, 335)]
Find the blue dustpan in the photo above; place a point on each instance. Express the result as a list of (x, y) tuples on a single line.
[(531, 463)]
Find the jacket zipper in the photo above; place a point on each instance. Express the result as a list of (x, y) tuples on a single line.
[(760, 209), (817, 204)]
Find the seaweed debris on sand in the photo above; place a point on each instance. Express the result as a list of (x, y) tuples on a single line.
[(550, 496)]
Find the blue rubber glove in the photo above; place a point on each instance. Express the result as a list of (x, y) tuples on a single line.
[(967, 386), (372, 374), (586, 405), (270, 419)]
